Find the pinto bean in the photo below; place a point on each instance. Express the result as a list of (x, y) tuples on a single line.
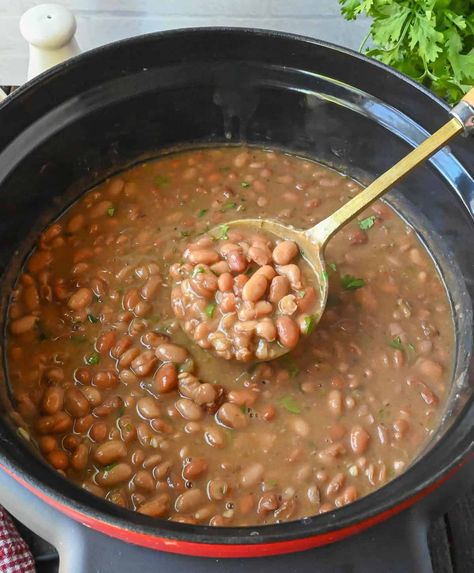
[(255, 288), (105, 379), (189, 409), (148, 408), (288, 331), (158, 506), (119, 473), (144, 363), (150, 288), (57, 423), (122, 344), (110, 452), (231, 416), (261, 256), (23, 325), (171, 353), (279, 287), (166, 378), (189, 500), (58, 459), (225, 282), (80, 299), (266, 329), (202, 256), (195, 468), (76, 403), (285, 252), (53, 400), (292, 273), (359, 439), (236, 261), (80, 457), (252, 474), (105, 342)]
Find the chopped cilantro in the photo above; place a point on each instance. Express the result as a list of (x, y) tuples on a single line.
[(397, 343), (108, 467), (411, 347), (128, 427), (222, 231), (210, 308), (121, 411), (293, 371), (185, 233), (290, 404), (43, 334), (111, 211), (349, 282), (198, 271), (161, 180), (309, 322), (223, 169), (333, 266), (93, 359), (271, 483), (228, 206), (92, 318), (244, 409), (300, 293), (367, 223), (324, 276), (202, 212), (245, 184)]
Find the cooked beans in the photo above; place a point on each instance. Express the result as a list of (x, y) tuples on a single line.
[(208, 314), (126, 405)]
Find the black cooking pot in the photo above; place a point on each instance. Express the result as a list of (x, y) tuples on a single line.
[(108, 108)]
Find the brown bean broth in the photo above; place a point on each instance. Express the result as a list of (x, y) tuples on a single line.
[(340, 416)]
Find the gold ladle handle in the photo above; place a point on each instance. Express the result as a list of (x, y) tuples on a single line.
[(463, 119)]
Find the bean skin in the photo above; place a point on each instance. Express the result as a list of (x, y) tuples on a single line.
[(117, 474), (76, 403), (53, 400), (288, 331), (285, 252), (110, 451), (195, 468), (171, 353), (232, 416), (252, 475), (359, 439), (23, 324), (80, 299), (202, 256), (155, 507), (188, 409), (189, 500), (255, 288), (148, 408), (166, 378)]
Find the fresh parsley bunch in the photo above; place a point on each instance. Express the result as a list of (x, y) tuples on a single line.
[(430, 40)]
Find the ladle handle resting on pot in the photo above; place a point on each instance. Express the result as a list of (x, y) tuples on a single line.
[(462, 119)]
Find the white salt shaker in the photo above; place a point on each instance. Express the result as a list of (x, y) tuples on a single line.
[(49, 29)]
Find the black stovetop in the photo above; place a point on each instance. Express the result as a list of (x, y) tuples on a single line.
[(451, 540)]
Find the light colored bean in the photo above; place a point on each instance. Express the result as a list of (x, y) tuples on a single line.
[(171, 353), (53, 400), (148, 408), (115, 475), (266, 329), (110, 451), (214, 437), (151, 287), (23, 324), (231, 416), (335, 402), (80, 299), (217, 489), (225, 282), (236, 261), (144, 364), (430, 368), (292, 273), (279, 287), (189, 409), (189, 500), (285, 252), (359, 439), (261, 256), (299, 426), (252, 474), (202, 256), (255, 288), (267, 271)]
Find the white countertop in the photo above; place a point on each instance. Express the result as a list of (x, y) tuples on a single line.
[(103, 21)]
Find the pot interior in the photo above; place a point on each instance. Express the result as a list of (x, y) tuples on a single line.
[(174, 90)]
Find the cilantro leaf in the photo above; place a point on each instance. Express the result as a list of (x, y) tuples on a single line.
[(367, 223), (348, 282), (92, 318), (228, 206), (290, 404), (431, 41), (396, 343), (202, 212), (111, 211), (93, 359), (221, 232), (245, 184), (309, 322), (210, 308)]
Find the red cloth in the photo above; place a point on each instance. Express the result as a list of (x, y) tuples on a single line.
[(15, 557)]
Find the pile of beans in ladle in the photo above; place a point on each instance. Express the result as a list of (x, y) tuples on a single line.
[(244, 297)]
